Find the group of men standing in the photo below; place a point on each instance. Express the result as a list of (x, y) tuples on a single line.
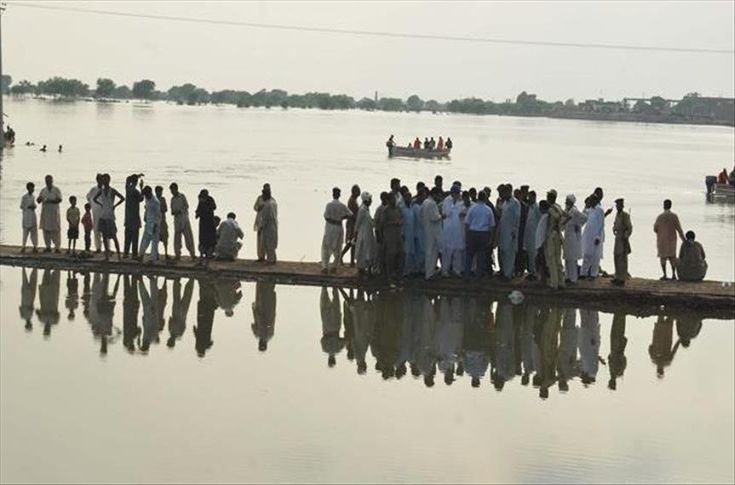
[(218, 238), (410, 234)]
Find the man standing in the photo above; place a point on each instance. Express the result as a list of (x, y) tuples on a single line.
[(391, 222), (409, 233), (479, 222), (453, 240), (431, 219), (182, 226), (50, 198), (95, 212), (419, 233), (573, 238), (529, 234), (622, 228), (266, 225), (334, 213), (555, 222), (508, 237), (350, 225), (365, 244), (593, 237), (152, 218), (105, 198), (163, 229), (666, 227), (29, 223), (133, 198)]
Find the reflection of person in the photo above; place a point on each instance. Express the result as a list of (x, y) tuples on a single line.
[(504, 346), (206, 306), (451, 329), (228, 294), (386, 342), (72, 293), (661, 351), (131, 306), (105, 311), (428, 348), (331, 314), (363, 322), (179, 310), (476, 341), (28, 296), (529, 347), (589, 344), (688, 327), (48, 298), (264, 313), (150, 312), (616, 361), (567, 365), (549, 348)]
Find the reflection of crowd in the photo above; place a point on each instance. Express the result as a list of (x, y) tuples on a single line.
[(446, 337), (431, 336)]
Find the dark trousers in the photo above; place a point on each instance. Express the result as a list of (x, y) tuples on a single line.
[(131, 241), (478, 243), (87, 239)]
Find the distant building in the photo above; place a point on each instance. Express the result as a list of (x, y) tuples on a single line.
[(602, 106)]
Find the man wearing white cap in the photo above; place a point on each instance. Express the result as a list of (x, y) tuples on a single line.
[(365, 246), (555, 222), (573, 239)]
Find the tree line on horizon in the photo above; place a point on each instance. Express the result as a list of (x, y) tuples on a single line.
[(525, 104)]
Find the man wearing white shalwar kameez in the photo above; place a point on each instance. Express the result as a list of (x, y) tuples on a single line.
[(529, 232), (366, 246), (29, 222), (510, 219), (334, 233), (453, 234), (431, 219), (96, 211), (593, 238), (50, 198), (573, 238), (228, 238)]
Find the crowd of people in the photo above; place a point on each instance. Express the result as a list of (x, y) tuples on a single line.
[(430, 337), (220, 239), (434, 232), (465, 234)]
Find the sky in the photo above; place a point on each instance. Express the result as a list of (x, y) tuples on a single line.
[(38, 44)]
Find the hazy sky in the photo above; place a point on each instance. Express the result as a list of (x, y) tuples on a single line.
[(39, 43)]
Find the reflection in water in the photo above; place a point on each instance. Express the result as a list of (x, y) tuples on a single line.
[(28, 297), (264, 313), (427, 334), (48, 297)]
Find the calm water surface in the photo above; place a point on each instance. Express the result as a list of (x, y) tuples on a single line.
[(108, 378), (303, 153)]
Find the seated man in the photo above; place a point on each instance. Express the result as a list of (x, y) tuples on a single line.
[(228, 238), (692, 265)]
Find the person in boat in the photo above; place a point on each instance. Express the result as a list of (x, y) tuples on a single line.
[(390, 144), (722, 178), (692, 264), (417, 144), (60, 148), (427, 145), (667, 227), (43, 149), (448, 143), (432, 143), (440, 144), (732, 178)]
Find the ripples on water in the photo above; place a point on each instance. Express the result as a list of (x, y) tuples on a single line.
[(342, 385)]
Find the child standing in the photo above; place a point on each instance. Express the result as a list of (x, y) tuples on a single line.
[(88, 224), (72, 217), (30, 223)]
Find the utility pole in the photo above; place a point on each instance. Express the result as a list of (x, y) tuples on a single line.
[(2, 113)]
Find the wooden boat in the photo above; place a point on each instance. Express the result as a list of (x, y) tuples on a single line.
[(407, 152), (723, 191)]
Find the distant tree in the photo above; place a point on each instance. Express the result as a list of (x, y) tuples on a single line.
[(121, 92), (59, 86), (569, 103), (188, 94), (367, 104), (105, 88), (391, 104), (658, 103), (144, 89), (414, 103), (5, 83), (23, 87), (433, 106)]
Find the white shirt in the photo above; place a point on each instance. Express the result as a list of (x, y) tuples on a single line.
[(28, 205)]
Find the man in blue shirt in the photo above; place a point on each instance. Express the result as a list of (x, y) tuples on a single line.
[(479, 221)]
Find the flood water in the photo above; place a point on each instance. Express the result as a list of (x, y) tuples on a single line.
[(304, 153), (109, 378)]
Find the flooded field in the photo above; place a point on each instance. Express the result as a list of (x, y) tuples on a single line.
[(221, 381)]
